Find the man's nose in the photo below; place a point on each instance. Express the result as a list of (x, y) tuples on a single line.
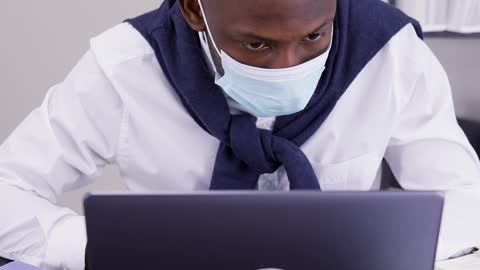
[(287, 57)]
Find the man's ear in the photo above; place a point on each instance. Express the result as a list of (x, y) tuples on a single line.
[(192, 13)]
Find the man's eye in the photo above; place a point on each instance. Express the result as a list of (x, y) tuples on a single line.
[(255, 46), (314, 36)]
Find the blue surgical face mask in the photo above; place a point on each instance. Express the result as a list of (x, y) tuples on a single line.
[(269, 92)]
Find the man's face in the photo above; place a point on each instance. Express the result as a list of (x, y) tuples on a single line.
[(270, 33)]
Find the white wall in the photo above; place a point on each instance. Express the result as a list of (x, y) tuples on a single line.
[(40, 41)]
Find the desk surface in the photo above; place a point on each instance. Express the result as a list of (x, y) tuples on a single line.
[(470, 262), (18, 266)]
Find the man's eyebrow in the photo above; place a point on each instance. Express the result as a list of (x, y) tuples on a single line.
[(264, 38), (327, 22)]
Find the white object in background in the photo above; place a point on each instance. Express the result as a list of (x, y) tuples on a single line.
[(417, 9), (464, 16), (437, 14), (431, 14)]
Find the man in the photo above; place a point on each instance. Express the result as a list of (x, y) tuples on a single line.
[(234, 94)]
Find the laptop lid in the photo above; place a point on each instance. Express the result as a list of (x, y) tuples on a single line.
[(255, 230)]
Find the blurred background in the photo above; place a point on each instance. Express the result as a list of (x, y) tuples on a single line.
[(42, 40)]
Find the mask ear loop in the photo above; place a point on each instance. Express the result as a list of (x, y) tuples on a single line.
[(208, 28)]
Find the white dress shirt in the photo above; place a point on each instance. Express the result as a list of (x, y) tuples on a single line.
[(117, 107)]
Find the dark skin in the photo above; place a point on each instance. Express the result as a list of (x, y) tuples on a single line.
[(264, 33)]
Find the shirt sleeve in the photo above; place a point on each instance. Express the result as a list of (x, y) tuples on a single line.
[(429, 151), (60, 146)]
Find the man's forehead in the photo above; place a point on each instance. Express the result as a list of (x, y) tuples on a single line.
[(270, 10), (275, 20)]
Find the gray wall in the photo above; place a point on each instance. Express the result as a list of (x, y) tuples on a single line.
[(42, 40), (461, 59)]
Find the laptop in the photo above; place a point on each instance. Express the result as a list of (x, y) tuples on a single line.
[(304, 230)]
